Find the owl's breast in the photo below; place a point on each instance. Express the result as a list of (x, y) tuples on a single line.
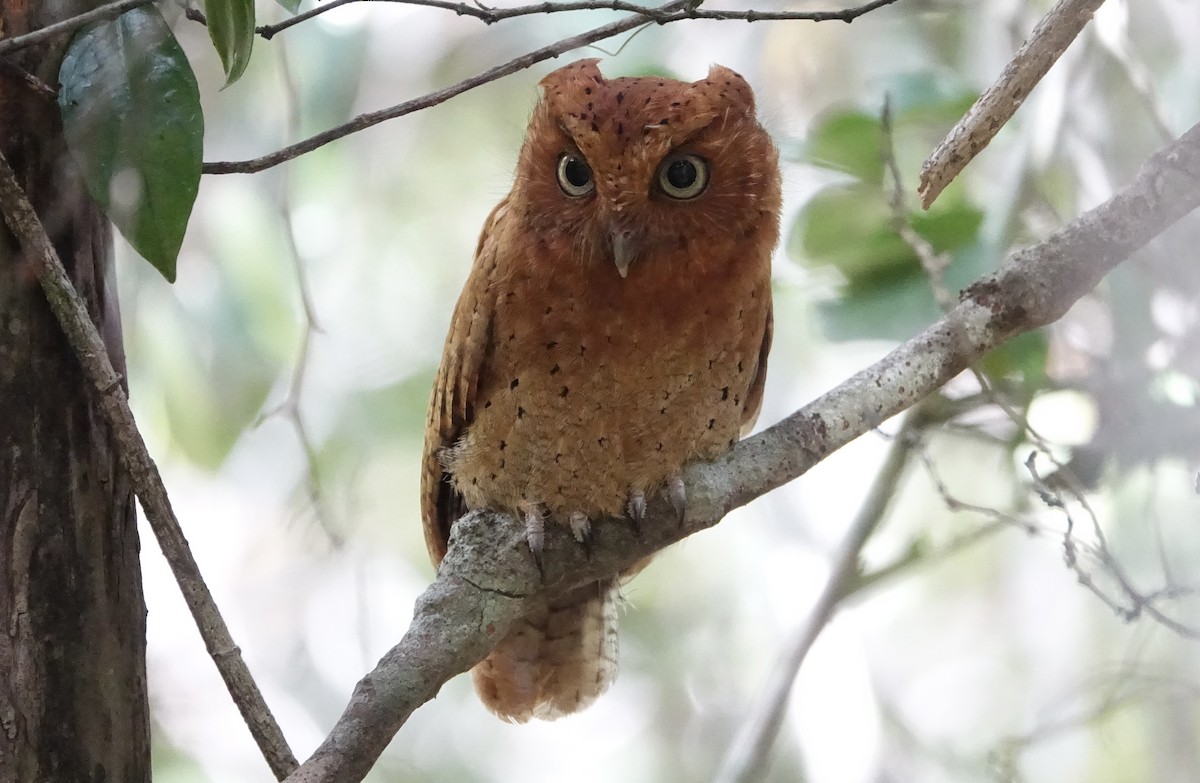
[(596, 385)]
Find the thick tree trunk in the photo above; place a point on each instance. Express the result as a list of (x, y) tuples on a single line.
[(73, 641)]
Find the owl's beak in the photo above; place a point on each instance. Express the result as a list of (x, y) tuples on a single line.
[(625, 249)]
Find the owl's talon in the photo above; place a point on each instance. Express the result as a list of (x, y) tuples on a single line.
[(677, 492), (636, 509), (535, 533)]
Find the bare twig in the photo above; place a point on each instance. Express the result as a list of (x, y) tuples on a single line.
[(109, 11), (289, 408), (746, 758), (933, 262), (668, 12), (1131, 603), (999, 102), (488, 581), (490, 16), (143, 473)]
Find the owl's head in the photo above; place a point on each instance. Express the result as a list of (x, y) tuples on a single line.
[(624, 168)]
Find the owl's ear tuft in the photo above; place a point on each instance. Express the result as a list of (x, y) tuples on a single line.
[(572, 78), (730, 86)]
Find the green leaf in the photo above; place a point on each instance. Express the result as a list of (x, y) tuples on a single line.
[(948, 227), (891, 308), (1022, 358), (131, 114), (850, 142), (850, 228), (231, 28)]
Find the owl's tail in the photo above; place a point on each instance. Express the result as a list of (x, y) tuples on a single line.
[(557, 660)]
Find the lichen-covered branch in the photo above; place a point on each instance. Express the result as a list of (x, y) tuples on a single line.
[(489, 576)]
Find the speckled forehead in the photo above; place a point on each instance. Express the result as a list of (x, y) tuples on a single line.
[(634, 118)]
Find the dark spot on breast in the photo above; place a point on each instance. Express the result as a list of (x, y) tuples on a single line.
[(725, 393), (587, 91), (520, 412), (493, 477), (736, 400), (515, 382), (549, 309), (502, 464), (555, 369), (710, 363), (740, 311), (557, 457), (663, 410), (565, 391), (620, 132), (740, 368), (711, 423), (512, 336), (487, 404), (664, 121), (551, 344), (503, 445), (620, 98), (582, 350), (475, 481), (595, 128), (601, 441), (659, 447)]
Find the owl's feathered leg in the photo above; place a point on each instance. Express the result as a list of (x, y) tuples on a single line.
[(581, 528), (677, 493), (635, 509), (535, 531)]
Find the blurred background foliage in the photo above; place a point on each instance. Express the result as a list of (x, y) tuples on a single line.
[(282, 384)]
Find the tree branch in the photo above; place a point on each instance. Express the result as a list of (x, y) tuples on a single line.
[(998, 103), (488, 577), (491, 16), (109, 11), (746, 758), (72, 315), (673, 11)]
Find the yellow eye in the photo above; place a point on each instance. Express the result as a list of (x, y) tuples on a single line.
[(574, 176), (683, 176)]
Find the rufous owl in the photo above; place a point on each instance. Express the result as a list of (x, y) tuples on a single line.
[(615, 326)]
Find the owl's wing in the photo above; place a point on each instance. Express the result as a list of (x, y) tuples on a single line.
[(754, 396), (452, 407)]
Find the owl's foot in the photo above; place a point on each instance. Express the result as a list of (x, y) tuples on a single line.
[(535, 531), (581, 528), (635, 509), (677, 493)]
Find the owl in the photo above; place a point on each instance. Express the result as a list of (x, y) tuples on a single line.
[(615, 326)]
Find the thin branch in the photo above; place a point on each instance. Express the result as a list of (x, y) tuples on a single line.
[(71, 24), (490, 16), (488, 580), (746, 758), (999, 102), (673, 11), (932, 262), (290, 407), (72, 315)]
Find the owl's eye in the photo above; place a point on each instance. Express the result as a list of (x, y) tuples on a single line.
[(683, 176), (574, 176)]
